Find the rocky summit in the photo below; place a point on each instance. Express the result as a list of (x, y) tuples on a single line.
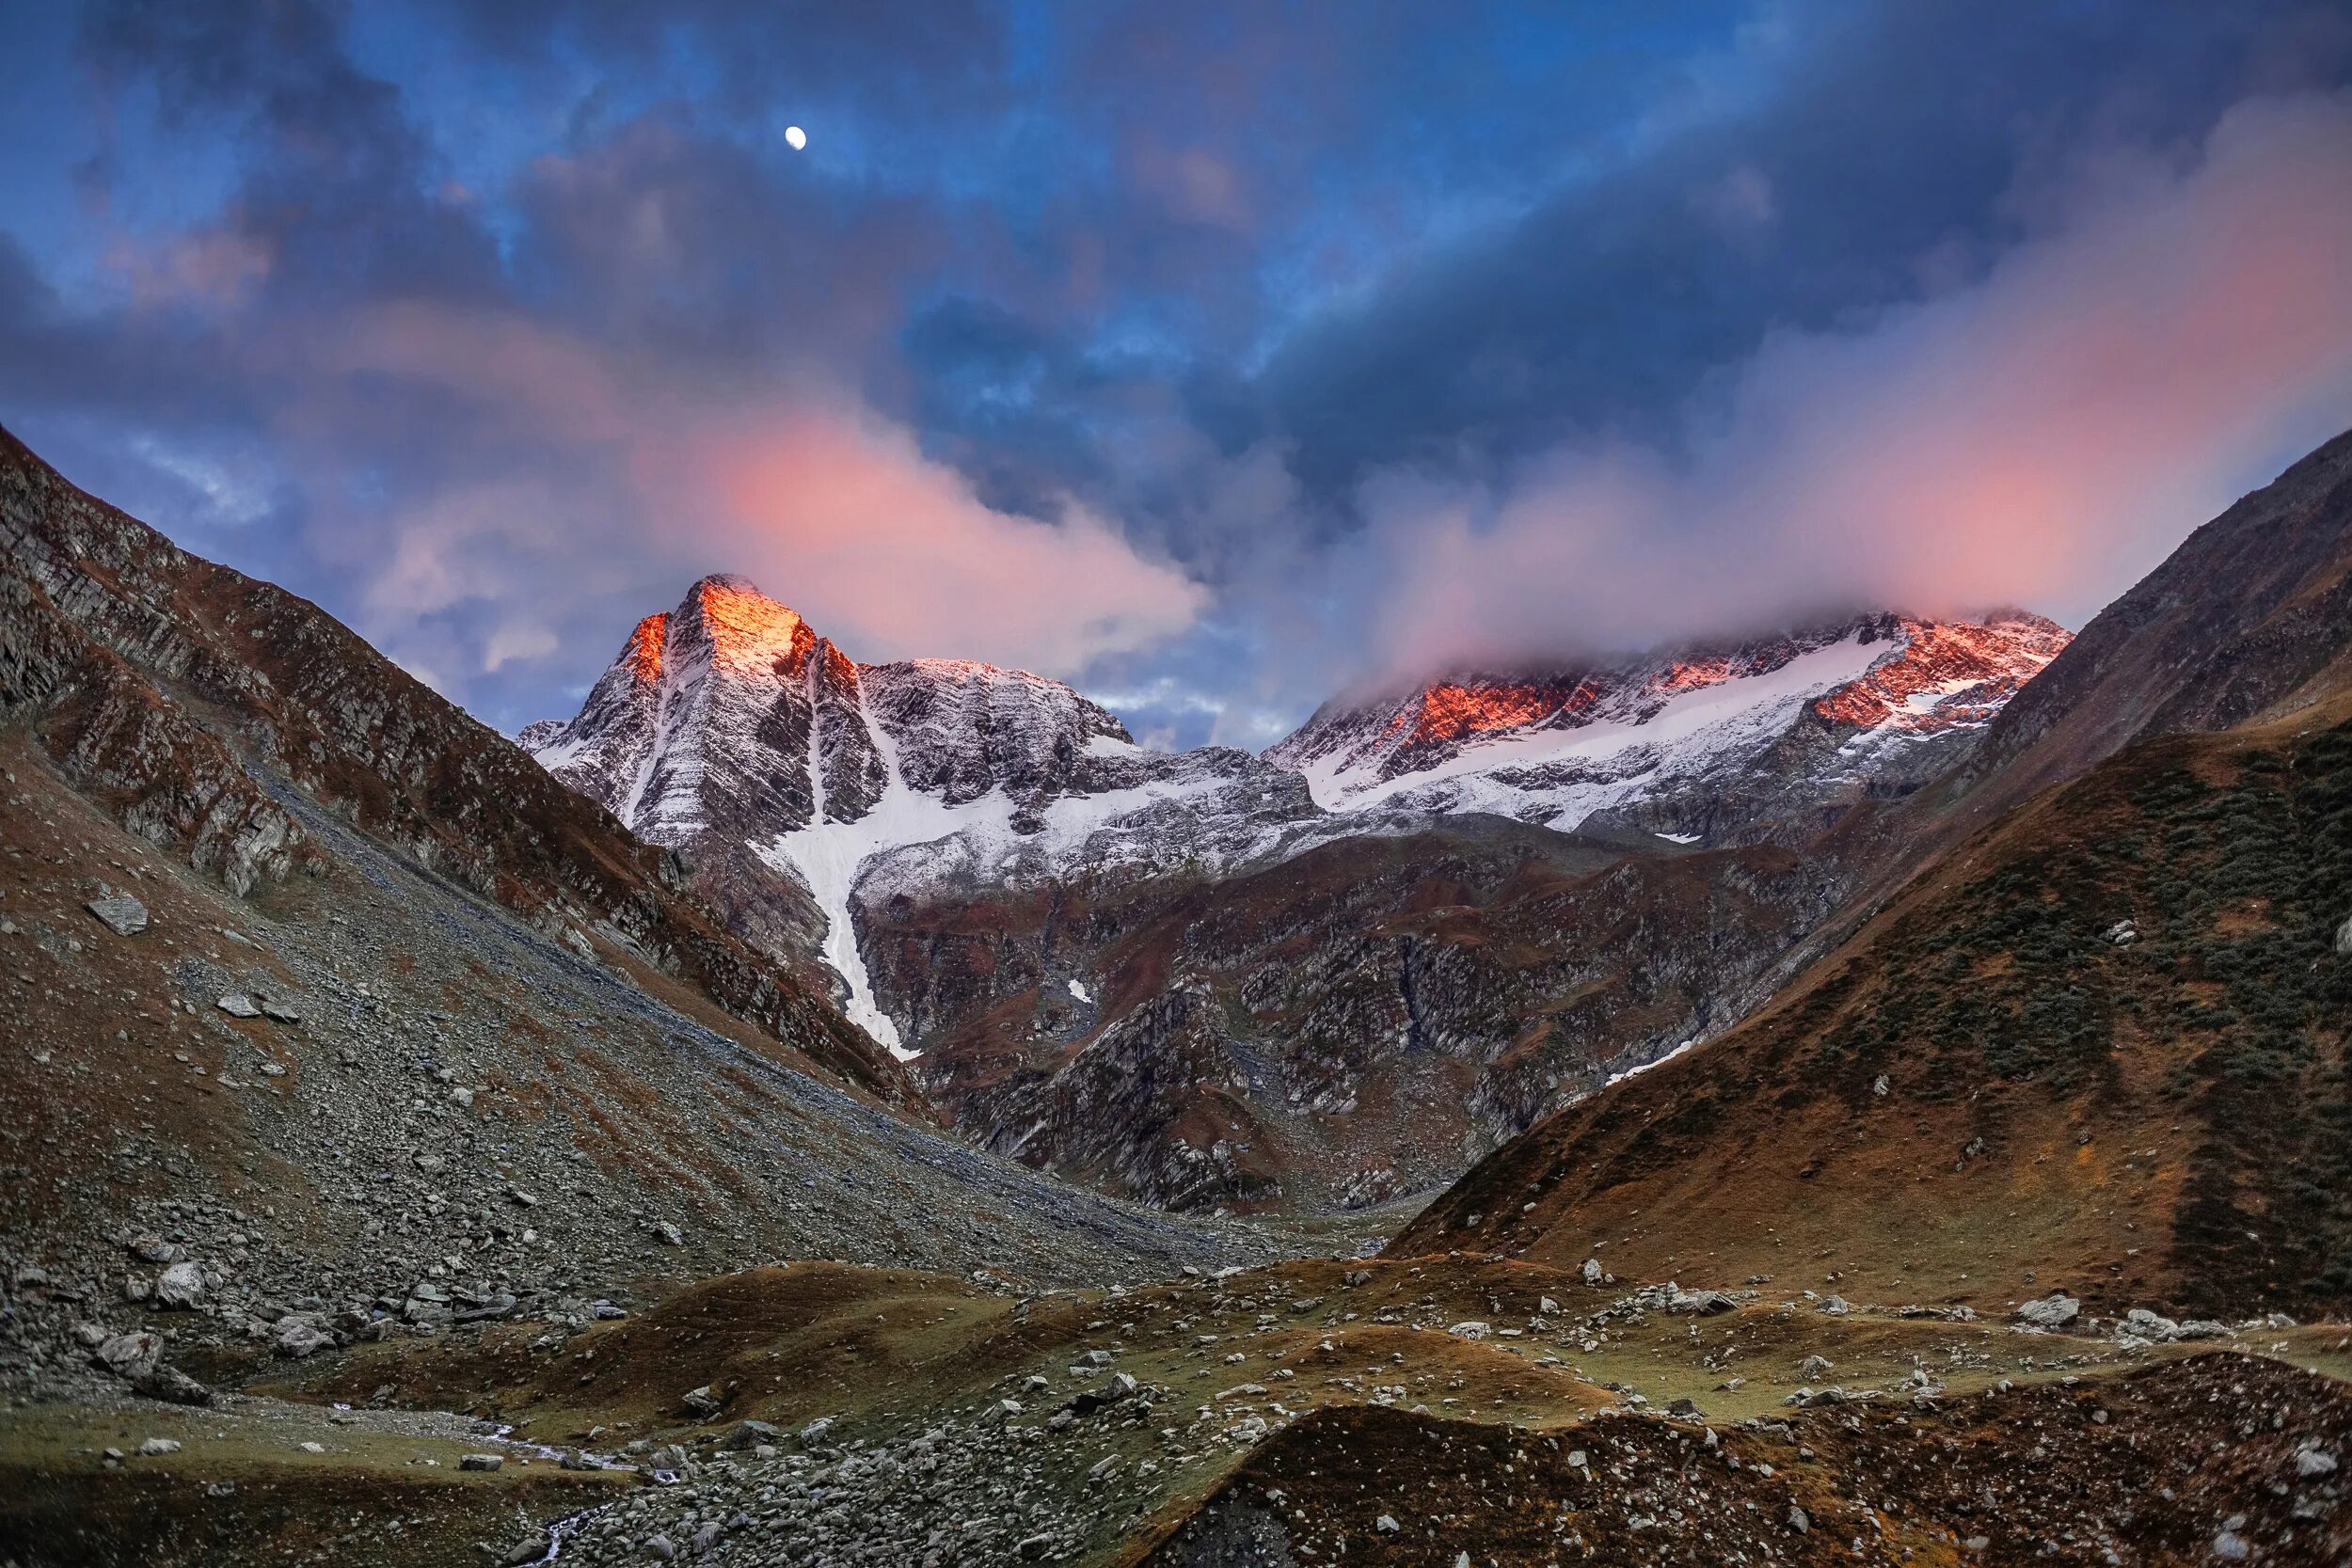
[(1844, 1096)]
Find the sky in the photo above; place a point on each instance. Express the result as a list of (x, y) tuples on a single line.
[(1215, 357)]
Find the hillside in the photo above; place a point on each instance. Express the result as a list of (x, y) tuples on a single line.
[(2100, 1047)]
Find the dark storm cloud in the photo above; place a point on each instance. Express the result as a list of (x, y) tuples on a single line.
[(1883, 166)]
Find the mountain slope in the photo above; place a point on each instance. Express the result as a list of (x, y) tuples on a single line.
[(2101, 1043), (2251, 614), (177, 689), (331, 1001)]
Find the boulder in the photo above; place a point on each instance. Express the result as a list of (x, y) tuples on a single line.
[(299, 1337), (2050, 1311), (748, 1435), (122, 915), (130, 1354), (180, 1285)]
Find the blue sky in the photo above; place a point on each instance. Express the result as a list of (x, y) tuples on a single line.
[(1213, 356)]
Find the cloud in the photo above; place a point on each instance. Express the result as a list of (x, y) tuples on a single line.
[(827, 505), (895, 557), (2042, 435), (1254, 345)]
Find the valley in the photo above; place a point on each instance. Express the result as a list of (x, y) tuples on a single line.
[(1881, 1113)]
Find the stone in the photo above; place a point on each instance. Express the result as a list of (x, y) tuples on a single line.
[(238, 1005), (1700, 1304), (481, 1461), (1814, 1365), (299, 1337), (155, 1446), (122, 915), (170, 1385), (1798, 1520), (2050, 1311), (660, 1548), (1035, 1547), (1387, 1524), (668, 1234), (817, 1431), (749, 1435), (281, 1008), (1592, 1270), (1470, 1330), (703, 1403), (2313, 1462), (180, 1285), (130, 1354), (1547, 1306), (531, 1548)]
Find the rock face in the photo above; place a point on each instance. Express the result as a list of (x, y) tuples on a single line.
[(728, 730), (1718, 744), (1331, 976)]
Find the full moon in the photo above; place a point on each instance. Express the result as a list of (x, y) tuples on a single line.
[(796, 136)]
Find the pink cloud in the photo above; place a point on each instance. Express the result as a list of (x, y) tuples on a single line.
[(826, 504), (892, 556), (2043, 435)]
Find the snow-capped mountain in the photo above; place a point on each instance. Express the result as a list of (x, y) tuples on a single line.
[(1703, 742), (728, 721), (1170, 971)]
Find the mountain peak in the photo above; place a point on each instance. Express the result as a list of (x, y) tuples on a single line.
[(751, 634)]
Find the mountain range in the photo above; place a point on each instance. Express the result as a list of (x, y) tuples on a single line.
[(1876, 1091), (1015, 895)]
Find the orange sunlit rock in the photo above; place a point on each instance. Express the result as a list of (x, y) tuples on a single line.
[(644, 646), (750, 632), (1948, 673)]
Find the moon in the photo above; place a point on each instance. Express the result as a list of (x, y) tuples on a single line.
[(795, 137)]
